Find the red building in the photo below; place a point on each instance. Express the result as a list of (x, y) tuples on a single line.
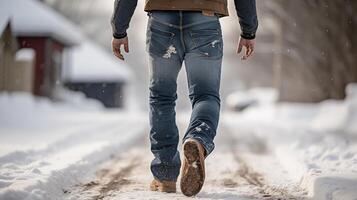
[(39, 27)]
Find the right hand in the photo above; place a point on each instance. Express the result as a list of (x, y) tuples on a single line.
[(116, 45), (249, 47)]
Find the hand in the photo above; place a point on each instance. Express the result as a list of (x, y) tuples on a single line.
[(249, 47), (116, 45)]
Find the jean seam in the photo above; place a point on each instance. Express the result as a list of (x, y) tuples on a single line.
[(164, 23), (198, 23), (203, 53), (151, 50), (185, 26), (181, 34)]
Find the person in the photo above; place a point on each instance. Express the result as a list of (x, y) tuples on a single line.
[(186, 31)]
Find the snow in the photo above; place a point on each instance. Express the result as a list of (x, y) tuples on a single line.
[(285, 150), (240, 100), (313, 142), (93, 64), (32, 18), (46, 147), (25, 54)]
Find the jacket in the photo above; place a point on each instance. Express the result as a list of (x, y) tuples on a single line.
[(246, 11), (210, 7)]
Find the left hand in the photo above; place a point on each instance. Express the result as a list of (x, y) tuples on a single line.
[(116, 45), (249, 47)]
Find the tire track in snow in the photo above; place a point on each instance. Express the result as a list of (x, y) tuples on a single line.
[(109, 181), (231, 174), (117, 180), (267, 191), (113, 176), (255, 147)]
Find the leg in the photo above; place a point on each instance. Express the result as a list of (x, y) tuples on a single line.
[(165, 64), (203, 77), (203, 66), (164, 134)]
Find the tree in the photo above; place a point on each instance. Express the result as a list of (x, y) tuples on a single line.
[(318, 48)]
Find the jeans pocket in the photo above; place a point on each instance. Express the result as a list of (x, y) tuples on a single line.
[(159, 42), (208, 42)]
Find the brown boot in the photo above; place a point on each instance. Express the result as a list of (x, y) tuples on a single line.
[(193, 168), (163, 186)]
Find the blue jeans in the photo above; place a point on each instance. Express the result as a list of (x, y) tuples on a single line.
[(174, 37)]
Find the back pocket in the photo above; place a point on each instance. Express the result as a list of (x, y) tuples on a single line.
[(208, 42), (159, 42)]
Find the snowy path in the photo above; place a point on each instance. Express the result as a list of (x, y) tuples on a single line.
[(47, 147), (229, 175), (294, 151)]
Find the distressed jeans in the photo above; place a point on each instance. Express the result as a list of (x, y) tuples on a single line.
[(174, 37)]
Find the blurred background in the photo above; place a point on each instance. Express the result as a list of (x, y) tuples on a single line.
[(60, 85), (305, 50)]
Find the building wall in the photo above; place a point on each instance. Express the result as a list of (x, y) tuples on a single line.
[(54, 72), (48, 63), (6, 61), (110, 94), (38, 44), (22, 76), (8, 48)]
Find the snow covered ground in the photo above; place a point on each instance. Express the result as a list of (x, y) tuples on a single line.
[(315, 143), (229, 176), (269, 151), (46, 147)]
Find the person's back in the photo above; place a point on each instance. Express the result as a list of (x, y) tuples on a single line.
[(183, 31)]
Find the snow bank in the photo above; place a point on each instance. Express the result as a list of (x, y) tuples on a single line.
[(32, 105), (46, 147), (76, 100), (241, 100), (314, 142)]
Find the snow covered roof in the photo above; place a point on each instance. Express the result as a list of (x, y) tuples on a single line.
[(33, 18), (93, 64)]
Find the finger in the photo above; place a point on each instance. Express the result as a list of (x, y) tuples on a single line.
[(245, 56), (117, 53), (126, 47), (120, 56), (249, 51), (240, 48), (114, 48)]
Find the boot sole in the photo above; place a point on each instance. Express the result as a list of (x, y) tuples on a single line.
[(193, 174)]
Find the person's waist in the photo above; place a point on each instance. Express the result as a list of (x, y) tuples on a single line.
[(181, 17)]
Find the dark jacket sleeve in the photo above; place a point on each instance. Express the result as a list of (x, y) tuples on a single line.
[(248, 20), (123, 11)]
